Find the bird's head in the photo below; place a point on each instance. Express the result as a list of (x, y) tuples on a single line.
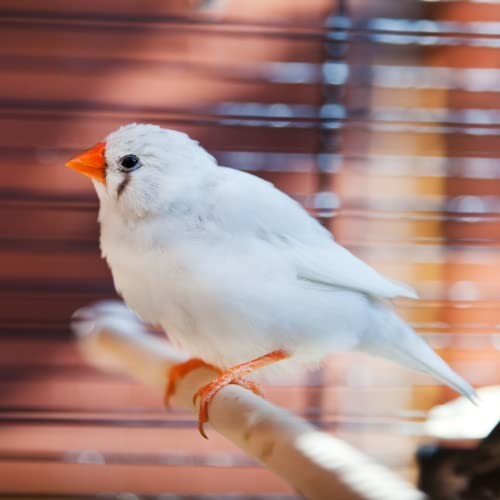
[(140, 169)]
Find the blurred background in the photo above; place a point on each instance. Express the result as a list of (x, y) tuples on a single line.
[(382, 118)]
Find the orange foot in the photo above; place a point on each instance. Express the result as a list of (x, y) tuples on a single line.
[(233, 376), (181, 370)]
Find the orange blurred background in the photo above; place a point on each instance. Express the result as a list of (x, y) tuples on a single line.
[(381, 117)]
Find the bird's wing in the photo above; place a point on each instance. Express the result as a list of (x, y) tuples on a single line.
[(246, 203), (333, 265)]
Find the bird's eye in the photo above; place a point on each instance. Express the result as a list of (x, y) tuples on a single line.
[(129, 163)]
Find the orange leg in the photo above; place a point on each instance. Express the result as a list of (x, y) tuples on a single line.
[(232, 376), (181, 370)]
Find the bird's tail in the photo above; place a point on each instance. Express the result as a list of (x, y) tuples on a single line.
[(395, 340)]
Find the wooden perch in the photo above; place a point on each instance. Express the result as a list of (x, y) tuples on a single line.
[(314, 463)]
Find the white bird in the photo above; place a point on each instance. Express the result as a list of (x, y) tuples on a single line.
[(236, 272)]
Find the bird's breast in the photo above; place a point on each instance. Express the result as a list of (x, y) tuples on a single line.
[(144, 278)]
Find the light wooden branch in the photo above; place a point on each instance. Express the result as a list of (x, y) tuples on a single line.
[(315, 464)]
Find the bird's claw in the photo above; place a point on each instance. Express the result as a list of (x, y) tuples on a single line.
[(208, 391), (251, 386), (179, 371)]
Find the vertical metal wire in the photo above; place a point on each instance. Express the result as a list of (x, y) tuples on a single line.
[(334, 48)]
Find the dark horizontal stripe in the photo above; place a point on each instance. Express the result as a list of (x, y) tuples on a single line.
[(202, 114), (17, 109), (166, 422), (146, 24), (140, 496), (358, 29), (159, 18), (206, 115), (13, 331), (98, 288), (48, 201), (170, 421), (474, 131), (253, 72), (50, 245), (29, 373)]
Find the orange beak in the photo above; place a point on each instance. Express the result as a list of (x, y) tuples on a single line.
[(91, 163)]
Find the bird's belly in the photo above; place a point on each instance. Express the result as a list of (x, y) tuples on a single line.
[(197, 317), (226, 321)]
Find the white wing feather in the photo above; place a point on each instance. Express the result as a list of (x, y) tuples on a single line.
[(336, 266), (246, 203)]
